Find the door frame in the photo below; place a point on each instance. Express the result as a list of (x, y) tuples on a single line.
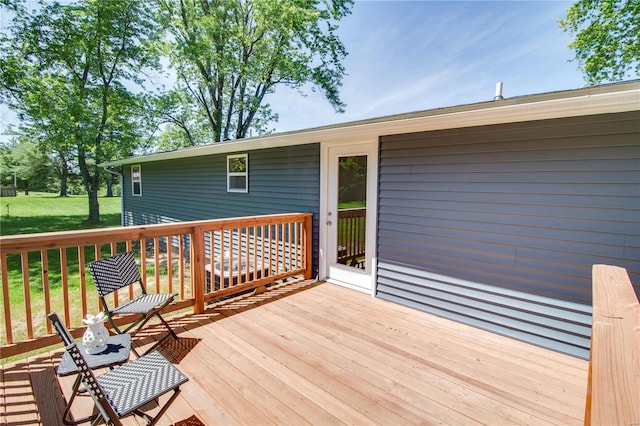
[(363, 281)]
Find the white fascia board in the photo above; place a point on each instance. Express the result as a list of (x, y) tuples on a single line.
[(500, 114), (530, 108)]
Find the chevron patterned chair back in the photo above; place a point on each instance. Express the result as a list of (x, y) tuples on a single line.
[(117, 272)]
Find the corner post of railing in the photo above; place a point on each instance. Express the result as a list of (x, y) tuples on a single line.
[(197, 268), (308, 239)]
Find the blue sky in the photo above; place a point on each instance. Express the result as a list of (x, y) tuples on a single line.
[(409, 56)]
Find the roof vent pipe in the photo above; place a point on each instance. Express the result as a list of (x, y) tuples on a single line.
[(498, 96)]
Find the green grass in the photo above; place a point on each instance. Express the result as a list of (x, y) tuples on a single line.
[(352, 205), (41, 212)]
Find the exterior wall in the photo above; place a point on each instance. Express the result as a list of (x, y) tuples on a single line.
[(281, 180), (498, 226)]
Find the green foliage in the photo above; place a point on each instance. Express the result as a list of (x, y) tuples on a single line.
[(68, 70), (76, 72), (607, 43), (229, 54), (33, 169), (6, 165), (353, 179)]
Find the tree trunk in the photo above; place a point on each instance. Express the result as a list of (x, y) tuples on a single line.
[(109, 185), (92, 194), (91, 184), (64, 177), (94, 206)]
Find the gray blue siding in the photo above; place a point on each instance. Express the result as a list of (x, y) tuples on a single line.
[(498, 226), (281, 180)]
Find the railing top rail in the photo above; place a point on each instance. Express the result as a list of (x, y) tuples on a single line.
[(614, 372), (53, 240)]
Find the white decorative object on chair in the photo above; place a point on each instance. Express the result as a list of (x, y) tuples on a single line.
[(96, 336)]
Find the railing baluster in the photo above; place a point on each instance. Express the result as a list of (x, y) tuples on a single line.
[(143, 261), (238, 253), (113, 250), (271, 260), (247, 255), (24, 258), (223, 253), (262, 252), (44, 263), (83, 280), (129, 246), (170, 263), (97, 255), (210, 261), (156, 262), (6, 303), (64, 278), (308, 250), (181, 265), (254, 231)]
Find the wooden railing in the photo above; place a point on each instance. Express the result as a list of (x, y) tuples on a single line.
[(351, 236), (613, 389), (48, 272)]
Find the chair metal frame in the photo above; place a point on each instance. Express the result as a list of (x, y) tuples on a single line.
[(116, 272), (125, 390)]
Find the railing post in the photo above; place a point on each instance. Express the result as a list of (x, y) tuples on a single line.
[(308, 239), (197, 268)]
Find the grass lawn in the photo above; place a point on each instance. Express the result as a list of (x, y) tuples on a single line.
[(39, 212)]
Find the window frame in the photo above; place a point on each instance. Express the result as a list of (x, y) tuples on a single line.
[(244, 174), (137, 180)]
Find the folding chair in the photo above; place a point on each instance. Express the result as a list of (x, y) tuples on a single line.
[(113, 273), (115, 354), (127, 388)]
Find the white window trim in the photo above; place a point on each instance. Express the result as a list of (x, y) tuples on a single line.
[(236, 174), (138, 180)]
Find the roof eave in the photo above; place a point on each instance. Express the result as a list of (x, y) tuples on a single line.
[(619, 97)]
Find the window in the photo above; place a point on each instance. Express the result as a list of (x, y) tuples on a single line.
[(237, 173), (136, 180)]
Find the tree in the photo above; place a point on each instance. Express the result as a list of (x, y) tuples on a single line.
[(31, 166), (70, 70), (229, 54), (607, 43), (7, 165)]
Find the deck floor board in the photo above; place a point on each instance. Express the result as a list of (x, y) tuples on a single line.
[(319, 354)]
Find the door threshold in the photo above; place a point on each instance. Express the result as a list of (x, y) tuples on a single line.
[(364, 290)]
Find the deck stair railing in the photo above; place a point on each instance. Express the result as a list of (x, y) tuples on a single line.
[(48, 272)]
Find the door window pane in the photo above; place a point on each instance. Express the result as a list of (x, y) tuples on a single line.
[(352, 210)]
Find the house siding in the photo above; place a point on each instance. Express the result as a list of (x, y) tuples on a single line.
[(281, 180), (498, 226)]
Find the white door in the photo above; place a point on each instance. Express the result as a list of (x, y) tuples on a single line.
[(349, 215)]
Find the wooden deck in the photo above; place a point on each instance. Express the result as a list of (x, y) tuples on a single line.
[(315, 353)]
